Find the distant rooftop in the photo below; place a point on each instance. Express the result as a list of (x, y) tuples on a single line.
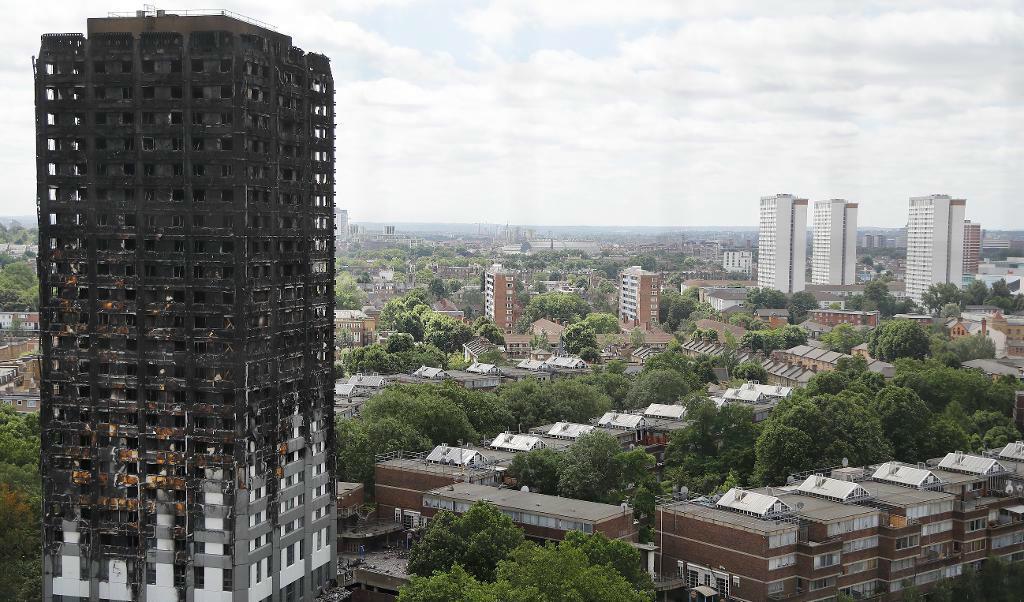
[(200, 12), (529, 501)]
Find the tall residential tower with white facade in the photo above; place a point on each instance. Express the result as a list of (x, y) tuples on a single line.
[(935, 242), (782, 243), (834, 258)]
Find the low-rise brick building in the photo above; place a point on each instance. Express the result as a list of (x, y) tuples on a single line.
[(540, 516), (867, 532), (835, 317), (402, 478)]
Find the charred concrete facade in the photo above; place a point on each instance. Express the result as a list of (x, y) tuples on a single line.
[(186, 213)]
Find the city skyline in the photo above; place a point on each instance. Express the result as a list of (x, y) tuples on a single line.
[(525, 113)]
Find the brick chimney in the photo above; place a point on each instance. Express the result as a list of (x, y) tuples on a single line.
[(984, 326)]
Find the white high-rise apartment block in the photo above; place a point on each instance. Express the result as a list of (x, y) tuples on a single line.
[(834, 258), (738, 261), (782, 243), (935, 242)]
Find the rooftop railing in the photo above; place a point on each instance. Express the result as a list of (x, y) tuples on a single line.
[(197, 12)]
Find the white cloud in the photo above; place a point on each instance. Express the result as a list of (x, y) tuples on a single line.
[(685, 117)]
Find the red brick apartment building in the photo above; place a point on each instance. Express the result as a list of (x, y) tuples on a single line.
[(864, 532), (402, 479), (835, 317), (540, 516), (639, 294), (500, 302)]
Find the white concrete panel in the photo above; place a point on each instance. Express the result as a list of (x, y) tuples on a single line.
[(293, 572), (161, 593), (115, 591), (164, 574), (64, 586)]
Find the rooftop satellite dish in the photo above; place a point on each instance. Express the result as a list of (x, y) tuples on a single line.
[(799, 505), (790, 480), (1020, 489), (684, 491), (1009, 489), (524, 489), (846, 462)]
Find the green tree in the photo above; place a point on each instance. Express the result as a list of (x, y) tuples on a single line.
[(975, 293), (602, 323), (614, 554), (834, 426), (637, 338), (750, 371), (532, 403), (477, 540), (843, 338), (21, 569), (611, 381), (939, 295), (973, 347), (537, 469), (782, 450), (905, 418), (577, 337), (400, 342), (557, 306), (445, 332), (490, 331), (674, 308), (949, 310), (714, 442), (897, 339), (769, 298), (347, 294), (437, 288), (455, 585), (658, 386), (563, 572), (589, 469), (361, 441), (425, 409), (799, 304), (19, 283)]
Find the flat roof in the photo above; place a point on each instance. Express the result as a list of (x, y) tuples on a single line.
[(528, 501), (899, 496), (420, 464), (819, 509), (729, 518)]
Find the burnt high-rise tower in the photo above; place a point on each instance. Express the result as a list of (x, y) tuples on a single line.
[(186, 213)]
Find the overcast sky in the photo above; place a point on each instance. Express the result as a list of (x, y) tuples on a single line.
[(637, 112)]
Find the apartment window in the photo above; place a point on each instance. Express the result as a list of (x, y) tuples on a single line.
[(779, 562), (823, 583), (976, 525), (939, 527), (824, 560), (901, 565), (784, 539), (863, 565), (777, 587), (860, 544), (974, 546), (908, 541)]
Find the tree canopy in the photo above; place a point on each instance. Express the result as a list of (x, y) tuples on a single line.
[(897, 339), (557, 306), (476, 540), (582, 567)]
